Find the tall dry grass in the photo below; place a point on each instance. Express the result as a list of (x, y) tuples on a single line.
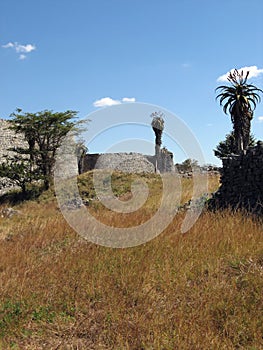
[(199, 290)]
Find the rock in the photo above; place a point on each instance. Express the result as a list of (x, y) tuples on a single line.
[(73, 204), (9, 212)]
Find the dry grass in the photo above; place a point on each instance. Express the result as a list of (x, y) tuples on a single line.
[(200, 290)]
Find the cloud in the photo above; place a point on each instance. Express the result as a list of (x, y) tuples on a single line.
[(108, 101), (128, 99), (8, 45), (21, 49), (254, 72), (260, 119), (22, 57), (24, 48)]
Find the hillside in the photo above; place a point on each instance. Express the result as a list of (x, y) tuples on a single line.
[(199, 290)]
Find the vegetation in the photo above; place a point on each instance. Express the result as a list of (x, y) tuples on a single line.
[(239, 100), (200, 290), (227, 147), (19, 171), (188, 165), (44, 132)]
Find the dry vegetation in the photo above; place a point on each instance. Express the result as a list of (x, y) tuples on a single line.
[(199, 290)]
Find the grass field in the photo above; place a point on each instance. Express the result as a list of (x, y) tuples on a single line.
[(198, 290)]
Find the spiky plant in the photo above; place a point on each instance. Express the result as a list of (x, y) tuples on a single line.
[(239, 100)]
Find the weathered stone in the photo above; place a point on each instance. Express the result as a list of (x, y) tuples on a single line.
[(9, 212), (129, 162), (8, 139), (68, 163)]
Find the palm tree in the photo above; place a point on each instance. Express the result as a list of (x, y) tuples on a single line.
[(158, 126), (240, 101)]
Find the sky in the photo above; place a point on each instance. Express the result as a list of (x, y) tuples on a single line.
[(117, 61)]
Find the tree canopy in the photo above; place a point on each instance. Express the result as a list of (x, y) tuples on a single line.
[(44, 132), (227, 147)]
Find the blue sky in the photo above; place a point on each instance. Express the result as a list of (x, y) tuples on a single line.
[(83, 55)]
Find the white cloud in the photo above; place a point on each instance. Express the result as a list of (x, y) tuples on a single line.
[(106, 102), (24, 48), (22, 57), (254, 72), (260, 119), (128, 99), (8, 45), (21, 49)]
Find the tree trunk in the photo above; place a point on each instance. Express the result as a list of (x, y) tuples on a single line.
[(157, 157), (158, 142), (241, 118)]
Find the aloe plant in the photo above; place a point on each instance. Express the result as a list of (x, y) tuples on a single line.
[(239, 100)]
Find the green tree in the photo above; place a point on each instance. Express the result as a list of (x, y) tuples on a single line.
[(44, 132), (188, 165), (227, 147), (240, 100), (18, 171)]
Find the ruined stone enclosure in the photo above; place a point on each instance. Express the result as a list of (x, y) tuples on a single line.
[(129, 162), (126, 162), (8, 139), (242, 181)]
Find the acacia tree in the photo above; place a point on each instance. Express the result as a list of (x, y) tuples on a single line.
[(188, 165), (44, 132), (227, 147), (19, 171), (239, 99), (158, 126)]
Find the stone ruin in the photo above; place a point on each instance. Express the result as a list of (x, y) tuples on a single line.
[(241, 181), (241, 178), (8, 139), (125, 162), (129, 162)]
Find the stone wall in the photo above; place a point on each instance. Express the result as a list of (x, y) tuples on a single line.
[(8, 139), (128, 162), (165, 161), (242, 181)]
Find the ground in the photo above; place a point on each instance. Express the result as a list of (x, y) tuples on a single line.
[(198, 290)]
